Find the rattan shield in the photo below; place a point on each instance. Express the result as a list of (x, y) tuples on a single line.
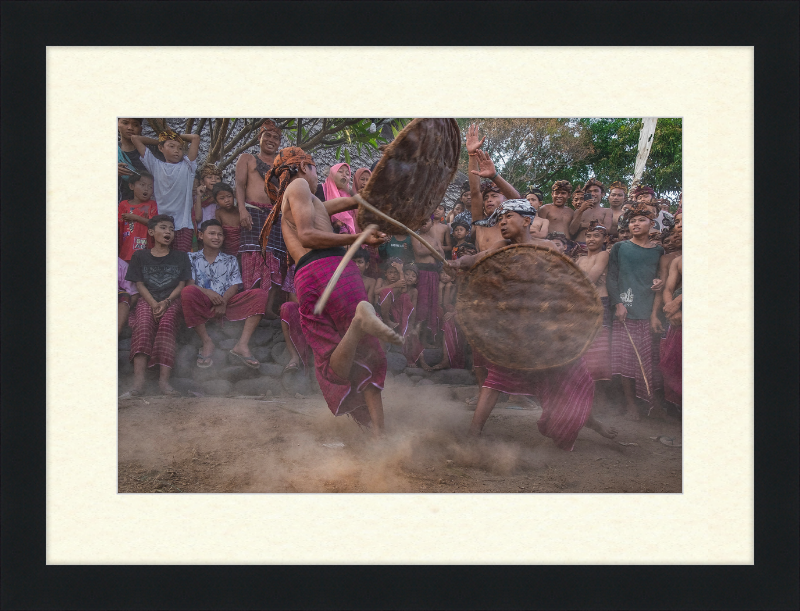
[(527, 307), (412, 176)]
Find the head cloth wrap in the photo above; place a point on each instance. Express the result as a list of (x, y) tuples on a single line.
[(169, 135), (284, 168), (460, 223), (487, 186), (537, 192), (618, 185), (641, 190), (637, 209), (269, 126), (520, 206), (210, 169), (593, 182), (595, 226), (562, 185)]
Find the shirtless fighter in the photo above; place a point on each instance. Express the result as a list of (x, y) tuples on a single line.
[(350, 363), (565, 393)]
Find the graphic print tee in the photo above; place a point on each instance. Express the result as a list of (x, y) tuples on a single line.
[(160, 274)]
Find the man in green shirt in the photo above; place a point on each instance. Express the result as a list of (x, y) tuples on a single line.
[(632, 282)]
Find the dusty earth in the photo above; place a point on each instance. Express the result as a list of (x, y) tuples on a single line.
[(279, 444)]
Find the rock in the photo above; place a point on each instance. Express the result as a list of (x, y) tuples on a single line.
[(402, 380), (296, 382), (236, 373), (415, 379), (416, 371), (219, 361), (215, 333), (233, 329), (271, 369), (124, 366), (217, 388), (432, 356), (124, 344), (184, 385), (185, 361), (426, 382), (227, 344), (396, 363), (395, 348), (262, 336), (126, 332), (280, 354), (262, 353), (453, 376), (257, 386)]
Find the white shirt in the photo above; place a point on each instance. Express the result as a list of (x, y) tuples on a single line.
[(173, 187)]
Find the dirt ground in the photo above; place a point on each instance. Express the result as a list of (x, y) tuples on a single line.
[(297, 445)]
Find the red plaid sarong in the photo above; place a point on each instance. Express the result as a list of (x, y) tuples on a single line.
[(230, 246), (155, 338), (183, 239), (325, 331), (428, 300), (598, 356), (401, 311), (254, 270), (672, 365), (566, 395), (290, 314), (198, 309), (454, 342), (623, 357)]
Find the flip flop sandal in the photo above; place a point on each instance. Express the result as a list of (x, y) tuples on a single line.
[(471, 401), (203, 359), (290, 367), (247, 361), (670, 441)]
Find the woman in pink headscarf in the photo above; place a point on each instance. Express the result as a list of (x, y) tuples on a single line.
[(360, 181), (338, 185)]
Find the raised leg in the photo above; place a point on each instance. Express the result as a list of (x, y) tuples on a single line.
[(365, 322)]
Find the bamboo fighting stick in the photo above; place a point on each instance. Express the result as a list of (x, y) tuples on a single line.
[(320, 305), (641, 366)]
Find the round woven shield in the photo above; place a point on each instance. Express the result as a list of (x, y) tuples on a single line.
[(527, 307), (412, 176)]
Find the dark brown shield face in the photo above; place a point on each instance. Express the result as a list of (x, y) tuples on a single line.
[(411, 178), (527, 307)]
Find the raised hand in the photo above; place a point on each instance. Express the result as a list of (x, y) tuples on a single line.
[(474, 140), (122, 170), (485, 165)]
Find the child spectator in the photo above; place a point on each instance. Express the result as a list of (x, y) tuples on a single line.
[(174, 180), (461, 229), (213, 292), (361, 259), (159, 273), (632, 282), (133, 216), (398, 299), (399, 248), (228, 215), (204, 204), (439, 213), (129, 163), (392, 278), (453, 342), (458, 208), (559, 240), (128, 295)]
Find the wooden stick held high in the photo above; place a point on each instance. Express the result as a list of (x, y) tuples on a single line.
[(320, 305)]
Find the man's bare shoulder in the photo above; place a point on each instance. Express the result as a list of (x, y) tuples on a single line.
[(245, 159)]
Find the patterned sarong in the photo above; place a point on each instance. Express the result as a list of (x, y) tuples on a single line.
[(672, 365), (230, 246), (428, 298), (623, 357), (183, 239), (565, 393), (198, 309), (290, 314), (324, 332), (254, 270), (401, 311), (598, 356), (156, 338)]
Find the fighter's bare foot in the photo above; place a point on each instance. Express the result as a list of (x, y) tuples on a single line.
[(606, 431), (369, 323), (439, 366), (421, 362)]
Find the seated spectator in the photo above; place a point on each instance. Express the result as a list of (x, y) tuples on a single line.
[(133, 216), (204, 204), (128, 295), (228, 215), (160, 274), (174, 180), (213, 292)]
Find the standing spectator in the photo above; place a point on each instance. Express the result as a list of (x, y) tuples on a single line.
[(360, 180), (460, 232), (213, 292), (399, 248), (174, 180), (228, 215), (160, 274), (128, 161), (134, 214), (557, 213), (588, 210), (337, 184), (632, 282), (535, 198), (204, 204), (617, 192), (458, 208)]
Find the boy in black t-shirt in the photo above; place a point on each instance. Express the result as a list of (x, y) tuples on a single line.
[(160, 274)]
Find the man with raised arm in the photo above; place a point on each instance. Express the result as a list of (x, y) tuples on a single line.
[(588, 210), (349, 360), (565, 393)]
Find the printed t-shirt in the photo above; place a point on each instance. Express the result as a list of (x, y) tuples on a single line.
[(173, 187), (631, 271), (160, 274), (132, 235), (218, 276), (402, 249)]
